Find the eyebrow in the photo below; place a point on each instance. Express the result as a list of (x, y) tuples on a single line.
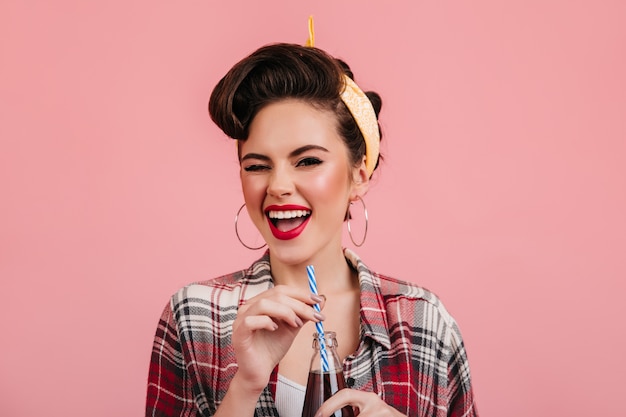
[(296, 152)]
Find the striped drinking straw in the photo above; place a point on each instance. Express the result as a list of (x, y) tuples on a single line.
[(318, 326)]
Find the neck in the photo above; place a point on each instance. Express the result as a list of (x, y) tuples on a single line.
[(332, 273)]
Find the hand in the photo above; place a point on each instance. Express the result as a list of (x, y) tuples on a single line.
[(368, 404), (265, 328)]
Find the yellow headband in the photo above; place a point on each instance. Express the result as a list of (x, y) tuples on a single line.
[(362, 111)]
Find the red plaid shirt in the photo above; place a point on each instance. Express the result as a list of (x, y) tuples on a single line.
[(411, 352)]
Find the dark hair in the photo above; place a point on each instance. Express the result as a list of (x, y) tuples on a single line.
[(280, 71)]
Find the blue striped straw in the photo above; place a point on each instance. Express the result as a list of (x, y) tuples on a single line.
[(318, 326)]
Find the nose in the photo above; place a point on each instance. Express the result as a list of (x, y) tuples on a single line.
[(280, 183)]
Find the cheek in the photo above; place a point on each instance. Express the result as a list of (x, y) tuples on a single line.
[(331, 186), (253, 192)]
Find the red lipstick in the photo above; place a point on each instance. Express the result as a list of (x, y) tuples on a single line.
[(287, 234)]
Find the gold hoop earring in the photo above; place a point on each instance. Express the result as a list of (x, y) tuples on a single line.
[(237, 231), (366, 222)]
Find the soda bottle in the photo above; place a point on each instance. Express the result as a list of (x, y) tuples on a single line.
[(325, 376)]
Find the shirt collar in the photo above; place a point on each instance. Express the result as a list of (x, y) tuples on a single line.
[(373, 312)]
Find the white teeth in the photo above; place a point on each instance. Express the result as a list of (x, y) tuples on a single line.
[(288, 214)]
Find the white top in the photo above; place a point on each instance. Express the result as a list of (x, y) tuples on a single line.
[(289, 397)]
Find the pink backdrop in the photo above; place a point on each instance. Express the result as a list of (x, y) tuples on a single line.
[(503, 190)]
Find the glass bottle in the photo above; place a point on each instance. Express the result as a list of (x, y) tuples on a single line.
[(324, 380)]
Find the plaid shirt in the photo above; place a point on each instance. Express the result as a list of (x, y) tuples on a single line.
[(410, 352)]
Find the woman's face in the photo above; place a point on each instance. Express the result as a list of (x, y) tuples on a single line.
[(297, 180)]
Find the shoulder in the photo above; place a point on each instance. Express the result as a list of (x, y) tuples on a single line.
[(393, 286), (400, 298), (225, 290), (400, 292)]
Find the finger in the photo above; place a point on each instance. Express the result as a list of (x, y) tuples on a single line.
[(281, 306), (340, 399), (319, 299), (300, 294), (284, 309), (367, 404), (253, 323)]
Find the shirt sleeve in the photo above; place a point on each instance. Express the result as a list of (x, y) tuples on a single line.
[(460, 386), (169, 392)]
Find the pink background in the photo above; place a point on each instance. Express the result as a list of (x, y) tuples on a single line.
[(503, 190)]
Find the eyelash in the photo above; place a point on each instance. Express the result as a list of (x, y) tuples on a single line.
[(309, 161), (255, 168), (304, 162)]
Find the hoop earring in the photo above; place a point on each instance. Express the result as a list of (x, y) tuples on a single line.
[(366, 221), (237, 230)]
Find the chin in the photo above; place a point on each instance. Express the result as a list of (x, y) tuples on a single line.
[(290, 254)]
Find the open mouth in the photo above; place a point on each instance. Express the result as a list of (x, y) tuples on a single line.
[(286, 220)]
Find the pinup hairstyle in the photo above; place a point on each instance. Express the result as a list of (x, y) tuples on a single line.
[(282, 71)]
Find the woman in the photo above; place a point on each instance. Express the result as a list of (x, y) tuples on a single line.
[(239, 345)]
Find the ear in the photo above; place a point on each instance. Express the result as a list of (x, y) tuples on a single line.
[(360, 181)]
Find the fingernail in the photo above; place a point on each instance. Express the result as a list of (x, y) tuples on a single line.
[(318, 316), (318, 414), (299, 322), (316, 298)]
